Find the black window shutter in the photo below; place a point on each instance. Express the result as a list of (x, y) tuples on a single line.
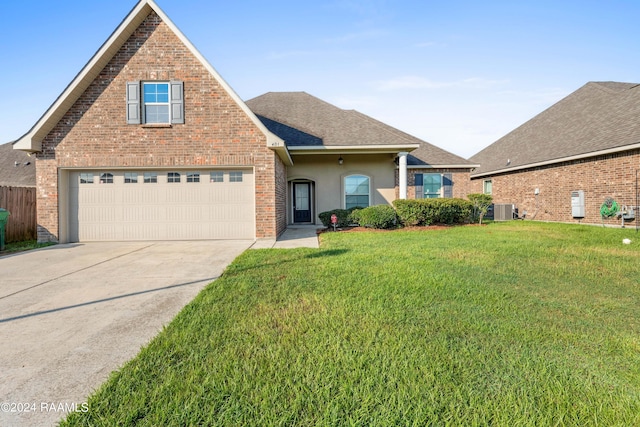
[(418, 184), (447, 183), (177, 102), (133, 103)]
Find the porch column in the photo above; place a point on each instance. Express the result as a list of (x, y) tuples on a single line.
[(402, 164)]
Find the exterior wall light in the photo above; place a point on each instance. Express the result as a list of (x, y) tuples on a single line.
[(340, 160)]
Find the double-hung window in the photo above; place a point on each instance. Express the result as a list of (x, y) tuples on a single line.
[(356, 191), (155, 102), (433, 185)]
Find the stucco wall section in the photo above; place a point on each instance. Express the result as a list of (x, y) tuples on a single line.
[(217, 132), (328, 177), (600, 177)]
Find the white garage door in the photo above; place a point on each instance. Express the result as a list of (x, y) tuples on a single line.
[(161, 205)]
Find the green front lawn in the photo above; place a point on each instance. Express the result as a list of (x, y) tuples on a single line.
[(510, 324)]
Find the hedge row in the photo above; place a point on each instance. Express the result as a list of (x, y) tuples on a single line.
[(420, 212), (433, 211), (344, 217), (380, 216)]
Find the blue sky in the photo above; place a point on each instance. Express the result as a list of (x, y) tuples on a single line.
[(458, 74)]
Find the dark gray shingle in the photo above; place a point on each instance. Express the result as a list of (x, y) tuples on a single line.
[(598, 116)]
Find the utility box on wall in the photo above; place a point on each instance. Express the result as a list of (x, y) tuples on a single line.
[(577, 204)]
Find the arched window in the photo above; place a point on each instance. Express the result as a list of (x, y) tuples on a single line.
[(356, 191)]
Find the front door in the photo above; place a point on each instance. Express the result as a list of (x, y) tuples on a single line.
[(301, 202)]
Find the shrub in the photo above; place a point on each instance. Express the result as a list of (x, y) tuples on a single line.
[(380, 216), (481, 203), (344, 217), (433, 211)]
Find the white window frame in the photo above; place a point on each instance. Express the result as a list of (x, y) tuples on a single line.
[(344, 189), (146, 103), (440, 192), (484, 187)]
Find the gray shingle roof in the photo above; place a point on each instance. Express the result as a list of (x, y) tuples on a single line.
[(598, 116), (303, 120), (21, 175)]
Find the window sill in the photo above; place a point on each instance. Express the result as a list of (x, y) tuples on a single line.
[(156, 125)]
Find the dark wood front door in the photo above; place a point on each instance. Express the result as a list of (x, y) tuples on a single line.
[(301, 202)]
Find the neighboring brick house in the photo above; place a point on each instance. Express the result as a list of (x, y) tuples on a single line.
[(587, 144), (148, 142)]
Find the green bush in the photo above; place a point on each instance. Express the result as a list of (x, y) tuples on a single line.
[(481, 203), (380, 216), (344, 217), (433, 211)]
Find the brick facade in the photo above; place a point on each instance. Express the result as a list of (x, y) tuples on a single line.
[(600, 177), (217, 132)]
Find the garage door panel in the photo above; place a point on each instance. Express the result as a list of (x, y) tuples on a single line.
[(161, 210)]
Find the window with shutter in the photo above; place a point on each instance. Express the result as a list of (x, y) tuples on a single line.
[(155, 102)]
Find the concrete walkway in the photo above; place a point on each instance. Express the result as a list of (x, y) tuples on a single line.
[(295, 236)]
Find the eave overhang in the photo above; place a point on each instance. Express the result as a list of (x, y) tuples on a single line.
[(443, 166), (353, 149)]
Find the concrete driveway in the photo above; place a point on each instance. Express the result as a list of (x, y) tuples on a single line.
[(71, 314)]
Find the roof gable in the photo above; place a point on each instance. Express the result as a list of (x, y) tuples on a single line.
[(599, 117), (32, 140)]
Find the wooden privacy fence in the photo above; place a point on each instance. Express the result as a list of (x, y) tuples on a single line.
[(21, 204)]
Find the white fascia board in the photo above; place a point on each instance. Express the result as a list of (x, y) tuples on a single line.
[(354, 149), (559, 160), (444, 166)]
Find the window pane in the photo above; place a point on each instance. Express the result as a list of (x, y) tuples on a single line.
[(432, 183), (156, 92), (235, 176), (356, 191), (86, 178), (173, 177), (156, 113), (150, 177), (356, 202), (193, 176), (130, 177), (216, 177), (488, 187), (106, 178)]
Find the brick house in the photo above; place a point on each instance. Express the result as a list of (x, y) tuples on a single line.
[(148, 142), (584, 149)]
